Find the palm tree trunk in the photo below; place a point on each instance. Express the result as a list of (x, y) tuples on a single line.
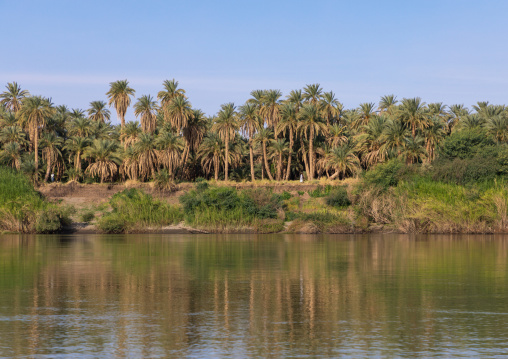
[(226, 159), (266, 162), (288, 171), (306, 163), (36, 150), (48, 170), (251, 161), (216, 168), (279, 167), (311, 153)]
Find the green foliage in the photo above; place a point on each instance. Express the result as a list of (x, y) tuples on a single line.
[(386, 174), (226, 206), (320, 191), (286, 195), (465, 144), (133, 209), (23, 209), (338, 198), (88, 216)]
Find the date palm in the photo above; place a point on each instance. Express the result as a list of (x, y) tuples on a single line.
[(457, 112), (8, 119), (269, 109), (130, 133), (104, 159), (278, 148), (130, 164), (413, 150), (211, 153), (81, 126), (51, 145), (370, 141), (194, 132), (311, 125), (433, 135), (146, 107), (263, 136), (342, 160), (394, 137), (169, 149), (250, 123), (412, 113), (366, 111), (10, 155), (498, 128), (119, 95), (387, 104), (312, 93), (147, 155), (226, 125), (179, 112), (76, 146), (12, 98), (34, 112), (13, 134), (331, 107), (170, 92), (288, 123), (98, 111)]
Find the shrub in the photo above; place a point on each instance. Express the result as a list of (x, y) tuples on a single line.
[(465, 144), (286, 195), (386, 174), (320, 191), (338, 198), (87, 216)]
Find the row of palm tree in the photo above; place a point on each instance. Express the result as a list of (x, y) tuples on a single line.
[(269, 136)]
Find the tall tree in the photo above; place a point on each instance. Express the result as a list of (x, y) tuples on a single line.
[(98, 111), (146, 107), (35, 111), (119, 95), (288, 123), (226, 126), (412, 113), (13, 97), (311, 125), (250, 124)]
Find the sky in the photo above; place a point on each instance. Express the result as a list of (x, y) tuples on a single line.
[(450, 51)]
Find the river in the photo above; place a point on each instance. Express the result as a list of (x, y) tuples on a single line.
[(253, 296)]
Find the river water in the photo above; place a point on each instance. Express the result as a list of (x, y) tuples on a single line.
[(253, 296)]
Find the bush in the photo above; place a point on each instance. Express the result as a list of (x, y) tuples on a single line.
[(320, 191), (286, 195), (87, 216), (465, 144), (113, 223), (338, 198), (386, 174)]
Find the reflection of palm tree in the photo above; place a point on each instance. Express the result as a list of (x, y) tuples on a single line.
[(119, 95)]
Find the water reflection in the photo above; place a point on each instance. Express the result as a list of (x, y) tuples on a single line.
[(253, 296)]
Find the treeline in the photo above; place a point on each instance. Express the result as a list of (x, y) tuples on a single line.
[(269, 137)]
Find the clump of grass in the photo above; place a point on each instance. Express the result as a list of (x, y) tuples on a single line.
[(23, 209), (320, 191), (133, 209), (223, 208)]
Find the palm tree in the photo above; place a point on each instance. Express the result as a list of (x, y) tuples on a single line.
[(35, 111), (412, 112), (130, 133), (370, 141), (226, 126), (211, 152), (498, 128), (119, 95), (146, 155), (98, 111), (193, 133), (394, 137), (337, 134), (278, 147), (146, 108), (311, 125), (250, 124), (169, 147), (81, 126), (262, 137), (51, 153), (12, 98), (105, 160), (269, 109), (331, 107), (13, 134), (295, 97), (387, 104), (130, 164), (8, 119), (413, 150), (366, 112), (179, 112), (433, 135), (77, 145), (312, 94), (289, 123), (11, 155), (342, 160), (170, 91), (457, 112)]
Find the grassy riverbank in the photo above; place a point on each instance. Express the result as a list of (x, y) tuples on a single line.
[(24, 210)]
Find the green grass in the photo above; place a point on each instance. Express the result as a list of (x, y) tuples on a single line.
[(133, 210), (24, 210)]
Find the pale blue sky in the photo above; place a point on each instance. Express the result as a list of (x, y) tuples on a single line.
[(219, 51)]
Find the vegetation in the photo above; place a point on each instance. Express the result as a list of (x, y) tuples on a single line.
[(403, 155), (22, 209)]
